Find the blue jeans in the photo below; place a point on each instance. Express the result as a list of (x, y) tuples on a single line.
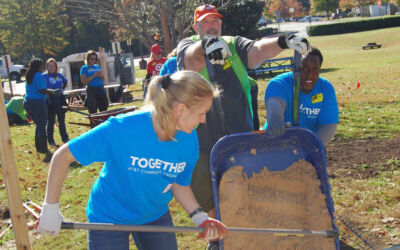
[(118, 240), (55, 109), (37, 109)]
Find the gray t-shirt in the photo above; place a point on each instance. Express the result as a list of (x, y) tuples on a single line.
[(236, 113)]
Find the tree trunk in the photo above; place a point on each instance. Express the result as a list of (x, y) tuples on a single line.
[(165, 31)]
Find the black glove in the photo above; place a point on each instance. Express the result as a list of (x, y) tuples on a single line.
[(298, 43), (216, 49)]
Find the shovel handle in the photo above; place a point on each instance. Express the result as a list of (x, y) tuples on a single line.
[(174, 229), (285, 232), (130, 228)]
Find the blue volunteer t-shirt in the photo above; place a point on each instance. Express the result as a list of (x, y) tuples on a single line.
[(169, 67), (317, 108), (88, 71), (134, 186), (32, 90), (55, 81)]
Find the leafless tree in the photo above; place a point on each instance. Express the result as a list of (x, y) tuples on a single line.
[(140, 19)]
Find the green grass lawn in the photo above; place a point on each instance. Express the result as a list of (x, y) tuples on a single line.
[(372, 111)]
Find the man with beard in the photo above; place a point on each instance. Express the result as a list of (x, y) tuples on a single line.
[(224, 61)]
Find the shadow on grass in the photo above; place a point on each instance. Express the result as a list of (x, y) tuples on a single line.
[(75, 164), (329, 70)]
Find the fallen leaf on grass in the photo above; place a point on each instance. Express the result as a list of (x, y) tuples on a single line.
[(381, 233), (77, 202), (388, 220)]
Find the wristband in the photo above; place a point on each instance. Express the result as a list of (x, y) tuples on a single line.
[(196, 211)]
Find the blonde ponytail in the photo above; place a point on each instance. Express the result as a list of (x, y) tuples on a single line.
[(164, 92)]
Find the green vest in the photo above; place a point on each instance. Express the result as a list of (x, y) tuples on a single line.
[(237, 66)]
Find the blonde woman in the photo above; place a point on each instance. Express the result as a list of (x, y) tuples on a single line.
[(56, 82), (149, 157)]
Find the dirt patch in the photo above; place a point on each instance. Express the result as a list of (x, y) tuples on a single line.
[(361, 159), (289, 199)]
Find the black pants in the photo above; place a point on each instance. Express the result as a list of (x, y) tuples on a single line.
[(96, 98), (254, 104), (55, 109)]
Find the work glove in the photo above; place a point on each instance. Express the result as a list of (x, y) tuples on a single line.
[(216, 49), (275, 116), (50, 219), (213, 229), (276, 128), (298, 43)]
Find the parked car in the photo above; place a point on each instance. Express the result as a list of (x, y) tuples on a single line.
[(310, 19), (262, 22), (15, 71)]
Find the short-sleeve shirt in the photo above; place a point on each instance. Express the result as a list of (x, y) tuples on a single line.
[(134, 186), (237, 116), (169, 67), (88, 71), (154, 66), (317, 108), (55, 81), (32, 90)]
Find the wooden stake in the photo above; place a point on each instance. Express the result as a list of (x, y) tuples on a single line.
[(104, 70), (10, 177)]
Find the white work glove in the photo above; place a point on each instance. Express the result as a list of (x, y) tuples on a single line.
[(298, 43), (275, 116), (213, 229), (50, 219), (216, 49)]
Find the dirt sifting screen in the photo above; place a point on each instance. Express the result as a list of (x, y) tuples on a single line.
[(289, 199)]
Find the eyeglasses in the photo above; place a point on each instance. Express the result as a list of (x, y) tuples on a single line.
[(93, 59)]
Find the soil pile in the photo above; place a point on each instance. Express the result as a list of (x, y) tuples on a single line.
[(290, 199)]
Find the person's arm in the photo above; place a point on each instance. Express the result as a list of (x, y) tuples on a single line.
[(262, 50), (276, 107), (326, 133), (270, 47), (50, 217), (213, 229), (64, 81), (185, 196), (59, 166), (85, 80), (194, 57)]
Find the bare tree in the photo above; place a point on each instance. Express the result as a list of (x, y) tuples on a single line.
[(140, 19)]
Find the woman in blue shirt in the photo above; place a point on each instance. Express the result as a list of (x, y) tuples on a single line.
[(149, 157), (55, 82), (92, 77), (35, 102)]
